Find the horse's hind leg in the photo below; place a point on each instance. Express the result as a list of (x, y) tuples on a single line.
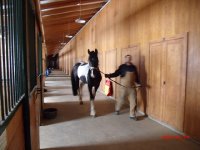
[(80, 93), (92, 96)]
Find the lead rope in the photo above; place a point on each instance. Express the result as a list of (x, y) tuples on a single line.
[(120, 83)]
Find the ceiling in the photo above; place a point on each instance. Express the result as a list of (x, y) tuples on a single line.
[(58, 19)]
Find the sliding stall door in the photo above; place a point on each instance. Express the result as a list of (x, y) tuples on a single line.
[(175, 81), (134, 52), (155, 100), (167, 80), (100, 56), (111, 65)]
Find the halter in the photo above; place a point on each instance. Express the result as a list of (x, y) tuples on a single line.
[(92, 73)]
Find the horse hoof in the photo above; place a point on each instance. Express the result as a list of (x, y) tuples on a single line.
[(81, 103), (93, 116)]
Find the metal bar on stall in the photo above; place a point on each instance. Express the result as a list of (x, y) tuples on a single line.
[(3, 56), (11, 54), (1, 89), (7, 53)]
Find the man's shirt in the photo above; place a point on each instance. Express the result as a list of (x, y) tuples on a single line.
[(121, 71)]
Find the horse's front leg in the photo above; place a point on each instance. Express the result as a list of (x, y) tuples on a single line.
[(80, 93), (92, 96)]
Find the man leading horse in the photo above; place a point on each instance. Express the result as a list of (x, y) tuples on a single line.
[(130, 80)]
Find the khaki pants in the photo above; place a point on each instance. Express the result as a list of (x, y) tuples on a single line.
[(130, 93)]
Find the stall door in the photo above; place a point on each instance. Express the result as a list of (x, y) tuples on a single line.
[(100, 56), (175, 78), (167, 81), (111, 64), (134, 52), (155, 80)]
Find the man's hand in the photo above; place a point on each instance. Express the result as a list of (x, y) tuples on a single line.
[(137, 84), (107, 75)]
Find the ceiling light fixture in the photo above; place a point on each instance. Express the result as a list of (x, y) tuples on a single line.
[(68, 30), (69, 36), (63, 43), (79, 20)]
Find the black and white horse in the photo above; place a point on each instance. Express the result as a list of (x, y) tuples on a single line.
[(87, 73)]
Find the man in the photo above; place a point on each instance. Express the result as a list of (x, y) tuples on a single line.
[(129, 79)]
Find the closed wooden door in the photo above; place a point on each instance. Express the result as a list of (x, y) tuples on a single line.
[(100, 57), (175, 78), (111, 65), (167, 81), (134, 51), (155, 79)]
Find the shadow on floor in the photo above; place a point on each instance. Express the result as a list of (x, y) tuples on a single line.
[(157, 144), (73, 110), (65, 109)]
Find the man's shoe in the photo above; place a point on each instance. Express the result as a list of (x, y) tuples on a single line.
[(133, 118), (116, 112)]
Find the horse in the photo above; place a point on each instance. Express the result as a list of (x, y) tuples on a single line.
[(87, 73)]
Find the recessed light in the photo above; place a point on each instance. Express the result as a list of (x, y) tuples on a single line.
[(63, 43), (69, 36), (81, 21)]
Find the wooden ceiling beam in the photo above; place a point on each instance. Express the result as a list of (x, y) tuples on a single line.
[(69, 3), (64, 24), (62, 30), (66, 20), (49, 1), (58, 18), (70, 14), (70, 10), (59, 36)]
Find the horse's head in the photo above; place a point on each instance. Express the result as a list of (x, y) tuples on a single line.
[(93, 58)]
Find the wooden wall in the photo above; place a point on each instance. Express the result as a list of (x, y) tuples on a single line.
[(129, 22), (13, 136), (35, 105)]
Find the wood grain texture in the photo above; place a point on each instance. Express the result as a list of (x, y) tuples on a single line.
[(155, 99), (58, 19), (15, 132), (123, 23), (167, 80), (34, 105), (111, 65), (175, 81)]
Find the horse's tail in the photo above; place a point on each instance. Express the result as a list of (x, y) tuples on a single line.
[(75, 79)]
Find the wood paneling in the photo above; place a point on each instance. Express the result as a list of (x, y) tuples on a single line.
[(101, 66), (167, 80), (155, 78), (175, 78), (134, 51), (15, 132), (61, 15), (34, 104), (123, 23), (111, 65)]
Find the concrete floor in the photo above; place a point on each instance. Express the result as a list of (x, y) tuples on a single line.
[(74, 129)]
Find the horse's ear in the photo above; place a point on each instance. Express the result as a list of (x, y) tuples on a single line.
[(96, 51), (88, 51)]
